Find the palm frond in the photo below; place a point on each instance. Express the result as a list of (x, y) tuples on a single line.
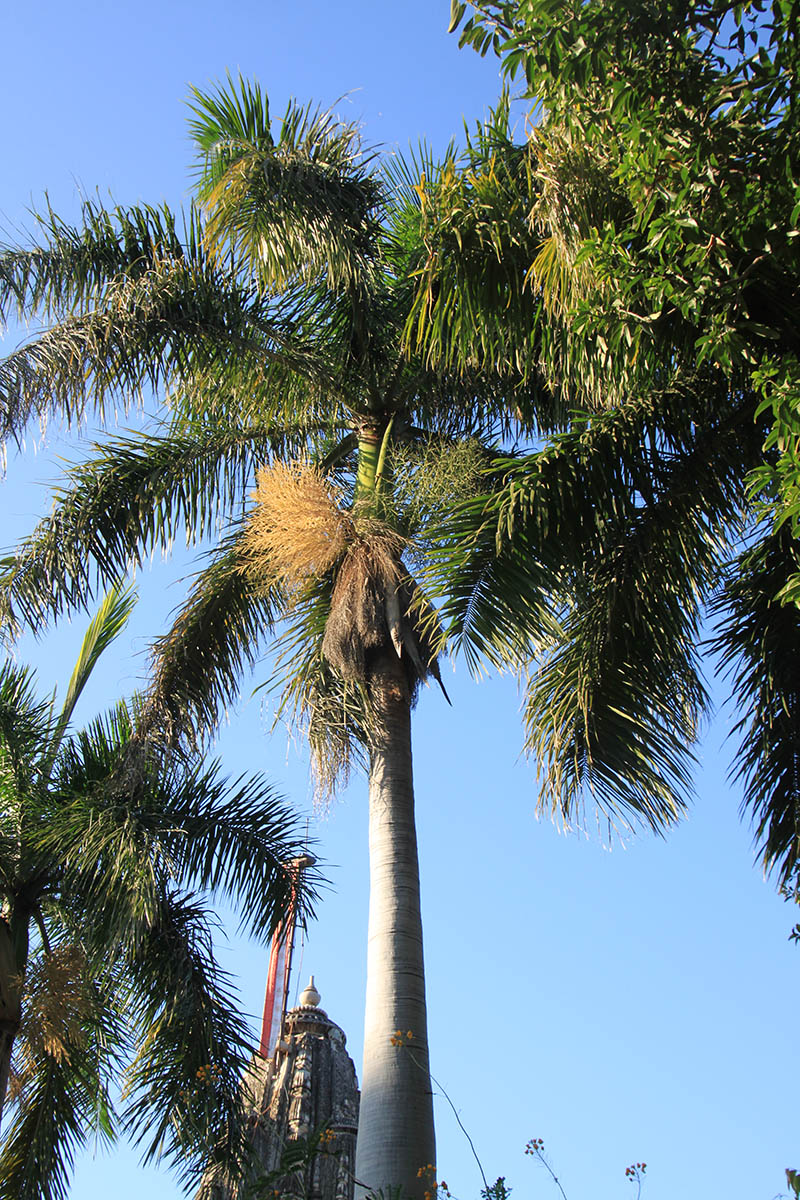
[(104, 829), (24, 719), (406, 175), (225, 120), (613, 712), (759, 646), (299, 205), (496, 591), (63, 1103), (26, 730), (121, 826), (598, 553), (510, 551), (286, 377), (134, 495), (185, 1102), (603, 732), (70, 265), (475, 305), (217, 633), (109, 621), (133, 307), (237, 838)]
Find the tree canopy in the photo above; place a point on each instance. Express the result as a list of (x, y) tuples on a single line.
[(668, 198), (675, 128)]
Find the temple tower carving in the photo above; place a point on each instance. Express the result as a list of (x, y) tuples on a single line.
[(307, 1085)]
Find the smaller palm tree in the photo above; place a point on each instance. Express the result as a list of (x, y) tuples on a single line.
[(108, 851)]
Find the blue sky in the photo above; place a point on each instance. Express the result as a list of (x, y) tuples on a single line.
[(637, 1004)]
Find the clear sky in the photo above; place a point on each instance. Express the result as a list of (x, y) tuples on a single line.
[(638, 1004)]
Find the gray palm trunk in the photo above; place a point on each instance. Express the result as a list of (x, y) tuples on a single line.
[(395, 1129)]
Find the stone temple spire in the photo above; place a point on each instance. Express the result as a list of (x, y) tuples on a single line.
[(307, 1087)]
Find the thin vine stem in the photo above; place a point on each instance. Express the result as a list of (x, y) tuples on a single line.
[(461, 1126)]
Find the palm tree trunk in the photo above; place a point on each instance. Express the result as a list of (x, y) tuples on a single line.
[(13, 958), (395, 1127)]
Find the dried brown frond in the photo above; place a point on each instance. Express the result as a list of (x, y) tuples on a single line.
[(377, 605), (357, 623), (297, 529), (342, 638)]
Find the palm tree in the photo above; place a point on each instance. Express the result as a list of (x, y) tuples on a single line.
[(644, 525), (291, 359), (107, 854)]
